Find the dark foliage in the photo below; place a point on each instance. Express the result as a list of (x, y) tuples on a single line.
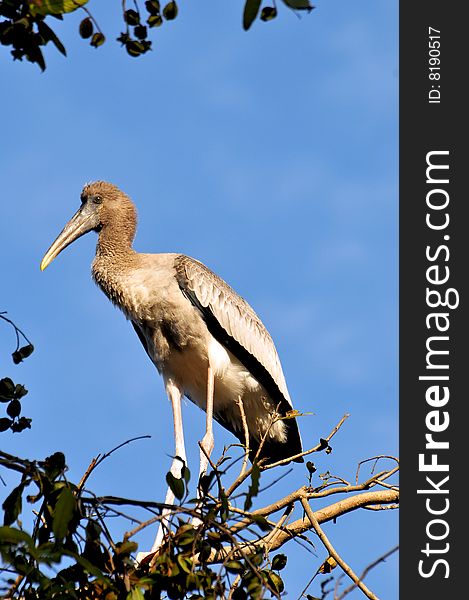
[(23, 25)]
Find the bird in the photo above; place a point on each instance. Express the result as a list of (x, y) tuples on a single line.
[(204, 339)]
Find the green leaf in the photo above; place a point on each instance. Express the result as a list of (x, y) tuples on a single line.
[(268, 13), (11, 535), (13, 504), (234, 566), (186, 474), (131, 17), (205, 550), (54, 7), (176, 485), (97, 40), (261, 522), (21, 424), (86, 28), (251, 10), (135, 594), (63, 513), (224, 511), (155, 21), (276, 582), (153, 7), (27, 350), (7, 389), (140, 31), (185, 535), (20, 391), (135, 48), (93, 530), (16, 356), (126, 547), (87, 565), (54, 464), (299, 4), (5, 424), (253, 489), (279, 562), (14, 409), (257, 559), (205, 481), (170, 11), (185, 563)]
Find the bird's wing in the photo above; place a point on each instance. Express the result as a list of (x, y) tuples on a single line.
[(234, 323)]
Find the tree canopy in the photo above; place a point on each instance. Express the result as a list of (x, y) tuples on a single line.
[(27, 25)]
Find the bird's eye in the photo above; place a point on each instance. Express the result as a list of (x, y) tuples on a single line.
[(97, 199)]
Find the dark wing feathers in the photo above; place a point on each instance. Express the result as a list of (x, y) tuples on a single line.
[(232, 321), (213, 295)]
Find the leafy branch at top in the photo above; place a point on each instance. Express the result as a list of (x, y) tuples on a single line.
[(11, 393), (22, 352), (23, 23), (230, 555)]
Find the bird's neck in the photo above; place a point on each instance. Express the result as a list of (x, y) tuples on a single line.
[(112, 264), (114, 258), (115, 243)]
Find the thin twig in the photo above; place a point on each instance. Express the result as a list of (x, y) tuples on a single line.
[(18, 331), (270, 538), (366, 571), (95, 462), (134, 439), (375, 459), (273, 419), (88, 471), (316, 448), (263, 467), (234, 586), (332, 552), (140, 526)]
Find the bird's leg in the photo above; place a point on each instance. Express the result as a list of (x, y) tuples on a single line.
[(206, 445), (207, 441), (175, 396)]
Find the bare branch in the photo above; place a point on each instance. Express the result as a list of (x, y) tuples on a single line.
[(302, 525), (97, 460), (332, 552), (375, 459), (366, 571), (263, 467), (316, 448)]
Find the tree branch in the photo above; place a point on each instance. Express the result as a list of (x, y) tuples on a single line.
[(332, 552), (302, 525)]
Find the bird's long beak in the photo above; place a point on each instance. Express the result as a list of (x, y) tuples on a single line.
[(81, 222)]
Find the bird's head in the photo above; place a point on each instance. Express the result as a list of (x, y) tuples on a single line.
[(102, 205)]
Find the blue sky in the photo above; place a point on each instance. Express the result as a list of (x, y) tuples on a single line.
[(269, 155)]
